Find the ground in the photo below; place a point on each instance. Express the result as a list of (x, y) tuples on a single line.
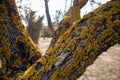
[(106, 67)]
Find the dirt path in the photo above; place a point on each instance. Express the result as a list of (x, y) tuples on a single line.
[(106, 67), (43, 44)]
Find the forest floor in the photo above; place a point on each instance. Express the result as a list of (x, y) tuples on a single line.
[(106, 66)]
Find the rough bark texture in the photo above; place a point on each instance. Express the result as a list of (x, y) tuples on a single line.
[(73, 51), (79, 45), (71, 17), (17, 51)]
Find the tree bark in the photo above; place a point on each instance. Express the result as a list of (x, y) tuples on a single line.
[(48, 17), (17, 51), (71, 17), (79, 45), (74, 50)]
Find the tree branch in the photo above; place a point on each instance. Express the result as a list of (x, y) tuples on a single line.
[(79, 46), (17, 50)]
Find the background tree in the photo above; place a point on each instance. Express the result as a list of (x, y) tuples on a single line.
[(48, 16), (34, 26), (24, 10), (94, 2), (58, 16)]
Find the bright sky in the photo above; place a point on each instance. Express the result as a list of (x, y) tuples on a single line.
[(38, 5)]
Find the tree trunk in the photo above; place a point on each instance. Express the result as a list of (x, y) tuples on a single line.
[(48, 17), (79, 45), (17, 51), (74, 50)]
